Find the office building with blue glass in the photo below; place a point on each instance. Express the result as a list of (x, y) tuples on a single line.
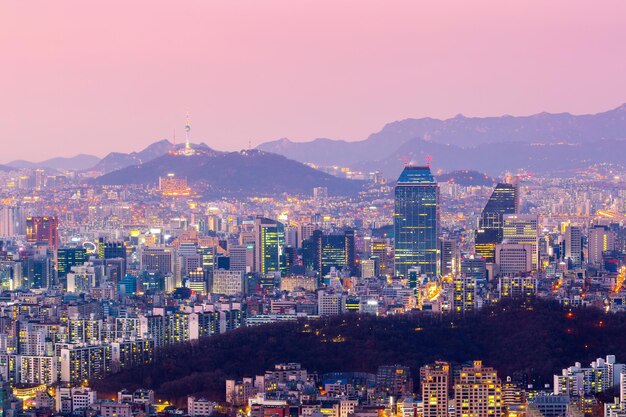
[(416, 222)]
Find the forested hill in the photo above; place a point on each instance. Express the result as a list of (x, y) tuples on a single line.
[(535, 338)]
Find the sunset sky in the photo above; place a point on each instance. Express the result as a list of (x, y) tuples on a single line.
[(99, 76)]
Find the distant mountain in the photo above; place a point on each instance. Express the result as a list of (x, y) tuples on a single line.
[(496, 158), (466, 178), (5, 168), (448, 141), (74, 163), (244, 173), (118, 160)]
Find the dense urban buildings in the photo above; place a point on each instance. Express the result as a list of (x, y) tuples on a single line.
[(98, 280)]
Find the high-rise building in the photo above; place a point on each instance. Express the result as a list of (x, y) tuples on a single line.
[(158, 258), (270, 239), (81, 363), (227, 282), (241, 257), (474, 267), (416, 222), (574, 245), (38, 272), (601, 239), (464, 294), (69, 257), (330, 251), (513, 259), (330, 303), (43, 229), (478, 392), (434, 380), (111, 249), (11, 221), (601, 375), (449, 254), (306, 231), (523, 229), (503, 200), (81, 279), (382, 250), (370, 268)]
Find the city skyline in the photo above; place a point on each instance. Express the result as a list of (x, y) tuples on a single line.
[(216, 208), (91, 79)]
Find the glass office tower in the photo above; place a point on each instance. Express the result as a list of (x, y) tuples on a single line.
[(416, 222), (503, 200), (270, 239)]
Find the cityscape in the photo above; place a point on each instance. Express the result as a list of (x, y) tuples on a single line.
[(430, 265)]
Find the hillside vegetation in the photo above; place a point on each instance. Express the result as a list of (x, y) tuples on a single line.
[(533, 338)]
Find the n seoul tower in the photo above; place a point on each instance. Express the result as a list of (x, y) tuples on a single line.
[(188, 150)]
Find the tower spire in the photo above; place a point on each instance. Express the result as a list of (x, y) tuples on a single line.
[(187, 130), (187, 150)]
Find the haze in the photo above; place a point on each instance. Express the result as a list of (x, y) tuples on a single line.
[(100, 76)]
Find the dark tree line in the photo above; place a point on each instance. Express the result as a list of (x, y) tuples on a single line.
[(535, 339)]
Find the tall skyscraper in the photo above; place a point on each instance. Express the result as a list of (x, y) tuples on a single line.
[(601, 239), (574, 245), (270, 239), (11, 221), (449, 254), (503, 200), (381, 249), (434, 380), (416, 222), (43, 230)]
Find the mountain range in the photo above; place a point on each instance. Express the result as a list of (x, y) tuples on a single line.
[(75, 163), (540, 142), (118, 160), (246, 173)]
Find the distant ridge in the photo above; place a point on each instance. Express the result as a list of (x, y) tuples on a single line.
[(119, 160), (74, 163), (491, 144), (244, 173), (543, 142)]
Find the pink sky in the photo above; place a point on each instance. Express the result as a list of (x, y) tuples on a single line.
[(98, 76)]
